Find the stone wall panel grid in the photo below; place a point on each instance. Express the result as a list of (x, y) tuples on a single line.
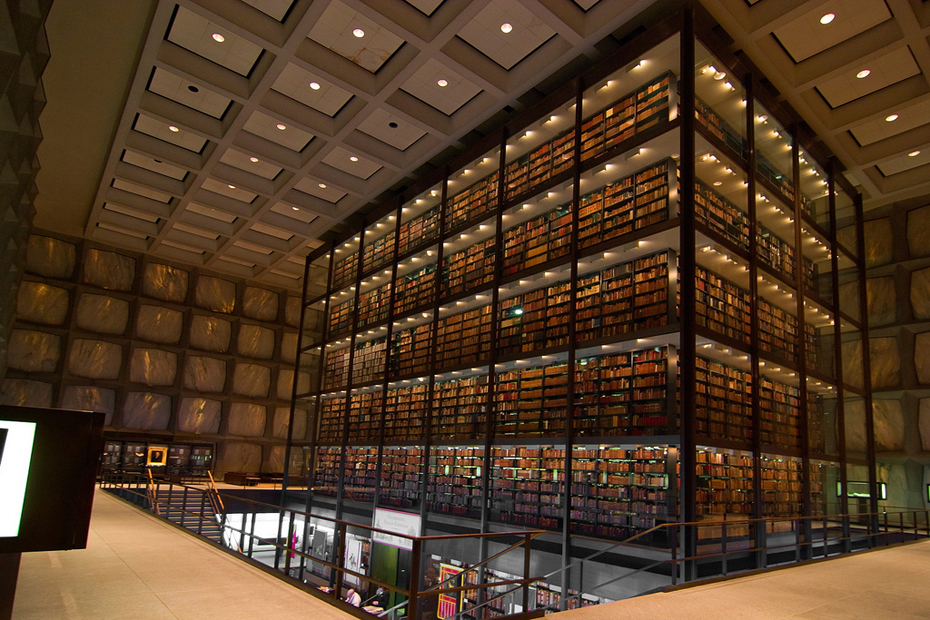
[(109, 270), (165, 282), (102, 314), (260, 304), (42, 303), (158, 324)]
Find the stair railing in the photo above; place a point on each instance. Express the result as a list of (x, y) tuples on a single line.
[(152, 493)]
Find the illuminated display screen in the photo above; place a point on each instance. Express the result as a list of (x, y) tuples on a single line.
[(16, 441), (48, 465)]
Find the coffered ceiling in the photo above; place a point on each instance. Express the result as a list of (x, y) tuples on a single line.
[(249, 128)]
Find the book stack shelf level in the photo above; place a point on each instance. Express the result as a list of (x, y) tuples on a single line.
[(360, 471), (531, 332), (454, 484), (326, 474)]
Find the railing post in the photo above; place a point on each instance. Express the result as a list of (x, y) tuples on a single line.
[(723, 544), (251, 533), (887, 539), (826, 542), (847, 543), (203, 498), (340, 560), (676, 535), (290, 541), (526, 572), (797, 540), (413, 601), (242, 533), (901, 525)]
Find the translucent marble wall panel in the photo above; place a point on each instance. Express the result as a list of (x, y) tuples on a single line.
[(147, 411), (895, 477), (885, 360), (281, 417), (25, 393), (292, 311), (247, 419), (251, 380), (95, 359), (274, 462), (882, 300), (165, 282), (210, 333), (289, 347), (153, 367), (879, 242), (41, 303), (102, 313), (918, 232), (286, 383), (855, 426), (241, 456), (33, 351), (50, 257), (852, 362), (159, 324), (109, 270), (199, 416), (256, 341), (920, 293), (204, 374), (89, 398), (922, 357), (215, 294), (261, 304), (924, 423), (888, 421)]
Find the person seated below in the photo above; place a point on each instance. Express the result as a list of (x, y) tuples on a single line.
[(353, 598)]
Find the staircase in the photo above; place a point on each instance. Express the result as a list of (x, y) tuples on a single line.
[(191, 510)]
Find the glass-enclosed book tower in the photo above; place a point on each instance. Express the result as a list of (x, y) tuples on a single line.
[(634, 305)]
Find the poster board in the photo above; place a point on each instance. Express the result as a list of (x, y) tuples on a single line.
[(449, 604), (406, 523)]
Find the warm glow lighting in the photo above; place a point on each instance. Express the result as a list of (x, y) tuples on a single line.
[(173, 129), (231, 186), (322, 185), (315, 85), (358, 33), (254, 160), (296, 208), (506, 27), (353, 158), (913, 154), (218, 37), (442, 83), (281, 126), (720, 75), (862, 74), (891, 118), (826, 19)]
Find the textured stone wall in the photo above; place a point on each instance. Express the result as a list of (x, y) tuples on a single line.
[(898, 288), (168, 353)]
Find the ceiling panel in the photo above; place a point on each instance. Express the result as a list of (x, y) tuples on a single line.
[(215, 43), (807, 35), (187, 93), (250, 163), (324, 191), (912, 160), (295, 213), (884, 71), (391, 129), (525, 34), (351, 162), (229, 190), (141, 190), (154, 165), (277, 9), (904, 119), (217, 214), (338, 29), (427, 86), (272, 231), (427, 7), (265, 126), (312, 91), (165, 131), (586, 4)]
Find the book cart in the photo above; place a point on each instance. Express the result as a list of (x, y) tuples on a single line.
[(633, 305)]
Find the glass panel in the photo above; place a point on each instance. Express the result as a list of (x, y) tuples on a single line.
[(405, 410), (720, 104), (538, 232), (773, 155), (824, 479), (854, 418), (724, 487), (635, 98), (528, 485), (531, 397), (401, 476), (360, 471), (821, 418), (365, 407), (533, 314), (817, 266), (460, 403), (313, 324), (815, 190), (468, 260), (820, 341), (379, 244), (850, 293), (472, 192), (415, 283), (309, 363), (318, 278), (345, 269), (779, 407), (540, 153), (723, 396), (420, 221), (775, 236), (722, 295), (846, 224), (411, 344), (852, 355), (781, 485), (720, 196), (455, 480)]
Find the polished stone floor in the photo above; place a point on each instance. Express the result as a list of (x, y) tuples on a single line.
[(136, 566), (884, 584)]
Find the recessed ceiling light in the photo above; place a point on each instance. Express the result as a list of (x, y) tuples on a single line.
[(863, 73), (231, 186), (315, 85), (173, 129), (720, 75), (193, 88), (826, 19), (913, 154), (296, 208), (443, 83), (254, 160), (353, 158), (359, 33), (392, 125), (891, 118), (718, 183), (281, 126), (506, 27), (218, 37), (322, 185)]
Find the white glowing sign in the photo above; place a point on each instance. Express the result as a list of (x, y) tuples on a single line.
[(16, 440)]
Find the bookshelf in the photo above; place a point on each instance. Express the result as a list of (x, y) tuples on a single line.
[(360, 471), (326, 472), (526, 363)]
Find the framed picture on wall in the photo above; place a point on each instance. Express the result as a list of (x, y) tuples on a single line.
[(157, 456)]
